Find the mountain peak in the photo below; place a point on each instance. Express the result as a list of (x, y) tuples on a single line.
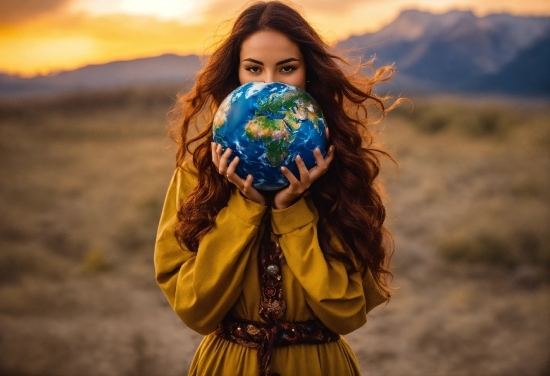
[(422, 15), (412, 24)]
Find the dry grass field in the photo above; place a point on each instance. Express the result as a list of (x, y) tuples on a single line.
[(83, 177)]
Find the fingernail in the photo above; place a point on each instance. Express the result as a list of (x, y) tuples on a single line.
[(298, 157)]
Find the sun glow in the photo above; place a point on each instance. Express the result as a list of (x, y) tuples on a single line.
[(184, 10), (45, 55), (187, 11)]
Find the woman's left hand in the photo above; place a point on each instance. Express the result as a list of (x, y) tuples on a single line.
[(289, 195)]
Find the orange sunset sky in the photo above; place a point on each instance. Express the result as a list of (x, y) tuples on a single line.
[(44, 36)]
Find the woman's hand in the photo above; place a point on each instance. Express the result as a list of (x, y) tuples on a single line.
[(221, 161), (289, 195)]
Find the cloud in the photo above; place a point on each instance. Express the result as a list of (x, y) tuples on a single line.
[(305, 7), (333, 7), (17, 11), (333, 19)]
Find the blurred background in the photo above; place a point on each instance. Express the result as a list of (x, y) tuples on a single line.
[(85, 160)]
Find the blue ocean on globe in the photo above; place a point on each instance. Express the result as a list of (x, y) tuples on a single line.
[(267, 125)]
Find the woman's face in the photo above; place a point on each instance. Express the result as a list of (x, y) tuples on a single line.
[(269, 56)]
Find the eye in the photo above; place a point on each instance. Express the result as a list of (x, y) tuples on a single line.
[(253, 69), (288, 69)]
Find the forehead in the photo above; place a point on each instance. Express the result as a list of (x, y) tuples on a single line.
[(269, 43)]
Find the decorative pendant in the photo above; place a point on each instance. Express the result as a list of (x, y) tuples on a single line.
[(273, 269)]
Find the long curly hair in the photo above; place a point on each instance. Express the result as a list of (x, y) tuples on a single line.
[(347, 197)]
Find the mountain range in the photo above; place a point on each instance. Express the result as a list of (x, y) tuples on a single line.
[(164, 69), (459, 52), (454, 52)]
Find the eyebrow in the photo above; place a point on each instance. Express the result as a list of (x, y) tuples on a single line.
[(278, 63)]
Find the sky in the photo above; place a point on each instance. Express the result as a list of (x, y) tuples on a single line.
[(47, 36)]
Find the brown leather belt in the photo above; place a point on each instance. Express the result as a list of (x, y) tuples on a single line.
[(265, 336)]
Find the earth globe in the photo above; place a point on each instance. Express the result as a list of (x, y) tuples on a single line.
[(267, 125)]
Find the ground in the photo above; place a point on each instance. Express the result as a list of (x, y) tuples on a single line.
[(83, 178)]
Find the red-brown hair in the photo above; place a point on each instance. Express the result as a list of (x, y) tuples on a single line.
[(347, 197)]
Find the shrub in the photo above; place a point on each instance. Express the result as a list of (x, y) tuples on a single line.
[(483, 122), (483, 248), (13, 265), (512, 250), (16, 262), (430, 119), (95, 262), (532, 248), (468, 120)]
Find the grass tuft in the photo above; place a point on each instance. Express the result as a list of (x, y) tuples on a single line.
[(513, 250), (96, 262), (461, 118), (483, 248)]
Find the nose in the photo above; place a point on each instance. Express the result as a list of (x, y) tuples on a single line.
[(268, 77)]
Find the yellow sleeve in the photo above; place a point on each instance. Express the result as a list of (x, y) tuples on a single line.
[(339, 300), (201, 287)]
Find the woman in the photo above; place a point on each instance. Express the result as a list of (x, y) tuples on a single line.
[(273, 280)]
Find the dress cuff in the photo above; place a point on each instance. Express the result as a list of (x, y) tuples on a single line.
[(292, 218), (247, 210)]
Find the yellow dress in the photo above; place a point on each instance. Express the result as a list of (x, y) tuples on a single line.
[(223, 277)]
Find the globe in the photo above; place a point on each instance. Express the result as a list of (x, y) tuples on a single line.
[(267, 125)]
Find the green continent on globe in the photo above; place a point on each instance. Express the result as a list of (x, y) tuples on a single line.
[(274, 134), (294, 106)]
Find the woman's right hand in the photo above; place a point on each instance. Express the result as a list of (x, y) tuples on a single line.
[(221, 161)]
